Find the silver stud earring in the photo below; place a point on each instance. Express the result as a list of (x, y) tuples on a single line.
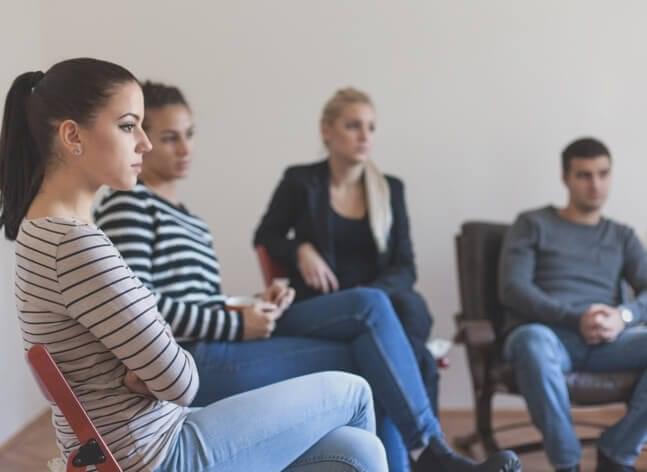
[(77, 151)]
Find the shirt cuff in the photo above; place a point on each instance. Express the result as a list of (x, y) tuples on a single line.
[(240, 325)]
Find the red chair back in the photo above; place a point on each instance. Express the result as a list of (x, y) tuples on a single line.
[(93, 450), (270, 268)]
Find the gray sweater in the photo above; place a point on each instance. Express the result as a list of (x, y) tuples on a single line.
[(551, 270)]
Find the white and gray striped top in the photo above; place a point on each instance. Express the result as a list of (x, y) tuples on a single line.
[(171, 251), (76, 296)]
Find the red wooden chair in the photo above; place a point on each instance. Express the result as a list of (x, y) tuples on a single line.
[(272, 269), (93, 449)]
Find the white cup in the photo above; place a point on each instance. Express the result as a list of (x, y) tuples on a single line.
[(240, 302)]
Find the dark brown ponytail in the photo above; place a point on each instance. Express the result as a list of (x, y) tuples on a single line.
[(21, 165)]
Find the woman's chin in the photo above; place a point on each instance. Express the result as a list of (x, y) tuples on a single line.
[(181, 174), (358, 158), (124, 184)]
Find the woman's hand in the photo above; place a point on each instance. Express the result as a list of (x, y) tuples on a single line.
[(314, 269), (280, 294), (259, 320), (136, 385)]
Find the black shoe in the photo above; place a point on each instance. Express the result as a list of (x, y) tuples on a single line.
[(607, 465), (449, 461), (575, 468)]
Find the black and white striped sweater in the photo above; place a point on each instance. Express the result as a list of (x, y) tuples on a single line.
[(171, 251)]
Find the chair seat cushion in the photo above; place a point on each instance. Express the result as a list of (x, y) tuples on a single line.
[(585, 388)]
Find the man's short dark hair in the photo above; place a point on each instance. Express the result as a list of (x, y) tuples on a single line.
[(583, 148)]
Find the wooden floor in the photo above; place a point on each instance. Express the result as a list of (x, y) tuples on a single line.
[(458, 422), (30, 450)]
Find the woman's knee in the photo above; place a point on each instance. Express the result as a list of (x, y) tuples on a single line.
[(347, 386), (345, 449), (413, 312), (364, 447), (372, 303)]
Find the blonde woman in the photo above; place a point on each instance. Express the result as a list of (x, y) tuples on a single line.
[(351, 236), (350, 224)]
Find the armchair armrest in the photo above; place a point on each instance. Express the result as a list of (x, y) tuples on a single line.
[(475, 333)]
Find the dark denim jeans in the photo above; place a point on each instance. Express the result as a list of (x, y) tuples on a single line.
[(542, 355)]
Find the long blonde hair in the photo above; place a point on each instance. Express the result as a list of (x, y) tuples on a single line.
[(378, 195)]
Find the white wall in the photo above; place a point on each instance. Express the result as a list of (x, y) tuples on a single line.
[(20, 400), (475, 102)]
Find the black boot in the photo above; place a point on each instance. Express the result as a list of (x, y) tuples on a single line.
[(607, 465), (438, 456)]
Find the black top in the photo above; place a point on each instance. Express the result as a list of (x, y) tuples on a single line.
[(355, 250), (300, 207)]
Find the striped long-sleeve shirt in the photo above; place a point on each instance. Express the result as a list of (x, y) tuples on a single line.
[(171, 251), (76, 296)]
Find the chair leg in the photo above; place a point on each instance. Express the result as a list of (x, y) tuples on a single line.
[(484, 422)]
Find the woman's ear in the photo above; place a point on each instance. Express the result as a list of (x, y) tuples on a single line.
[(70, 137)]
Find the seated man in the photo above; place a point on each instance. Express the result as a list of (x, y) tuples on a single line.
[(561, 275)]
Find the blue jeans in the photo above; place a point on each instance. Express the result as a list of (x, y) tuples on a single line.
[(227, 369), (360, 334), (364, 319), (541, 355), (416, 320), (314, 423)]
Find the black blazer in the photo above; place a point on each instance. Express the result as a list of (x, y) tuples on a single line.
[(300, 209)]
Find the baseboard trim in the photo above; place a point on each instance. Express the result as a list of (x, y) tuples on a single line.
[(611, 407)]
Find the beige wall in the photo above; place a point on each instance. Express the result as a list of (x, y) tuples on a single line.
[(475, 102), (20, 400)]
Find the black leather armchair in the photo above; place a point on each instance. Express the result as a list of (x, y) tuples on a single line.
[(479, 328)]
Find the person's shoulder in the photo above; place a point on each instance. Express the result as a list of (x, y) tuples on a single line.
[(139, 196), (396, 189), (305, 173), (622, 230), (395, 183), (52, 230), (534, 219), (86, 232), (61, 239), (76, 236), (537, 214), (83, 250), (304, 170)]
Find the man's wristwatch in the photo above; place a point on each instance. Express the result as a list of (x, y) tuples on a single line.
[(626, 314)]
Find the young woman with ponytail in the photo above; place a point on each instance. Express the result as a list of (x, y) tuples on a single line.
[(64, 134)]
